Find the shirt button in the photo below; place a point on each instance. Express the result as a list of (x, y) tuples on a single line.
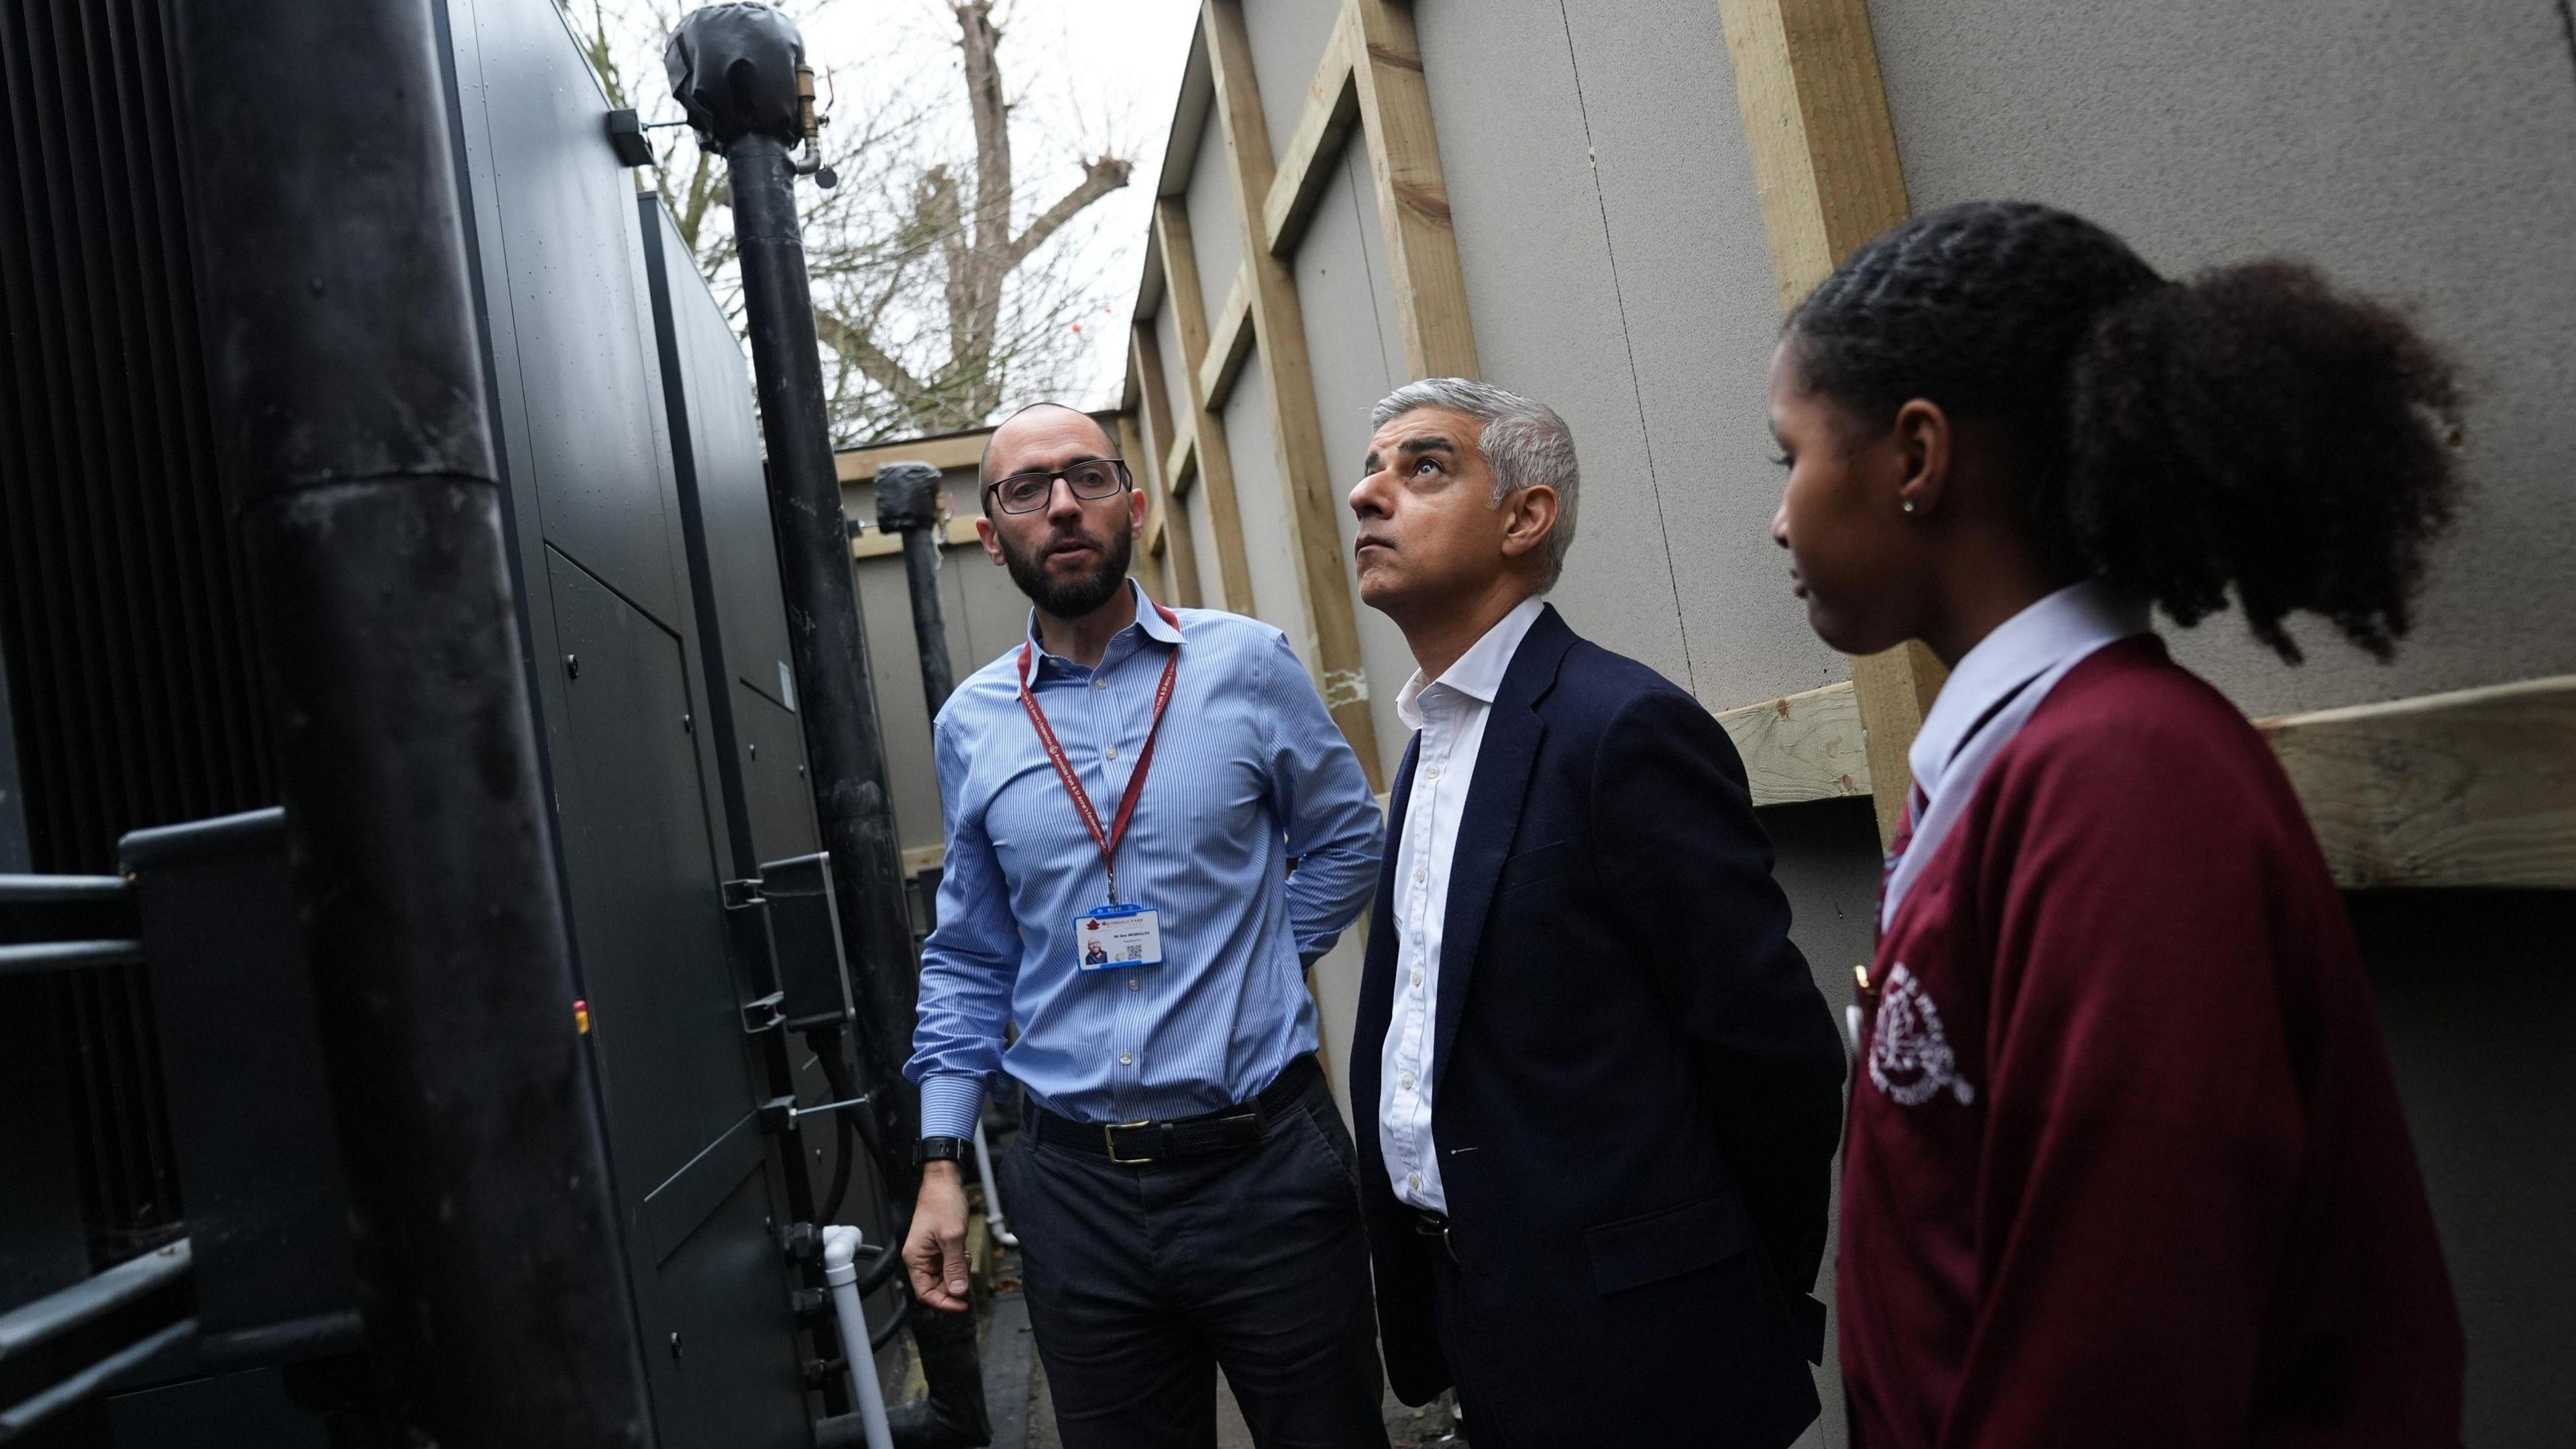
[(1417, 981), (1420, 874), (1100, 684), (1131, 983), (1405, 1081), (1431, 772), (1413, 1180), (1113, 752), (1125, 1060)]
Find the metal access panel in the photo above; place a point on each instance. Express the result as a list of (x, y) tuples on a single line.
[(615, 656)]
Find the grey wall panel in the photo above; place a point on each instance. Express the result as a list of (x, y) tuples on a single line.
[(1203, 536), (1288, 39), (2425, 152), (1544, 295), (2480, 1055), (1358, 358), (1216, 231), (775, 788), (1176, 375), (1702, 314), (1278, 593)]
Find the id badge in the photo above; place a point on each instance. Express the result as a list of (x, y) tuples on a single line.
[(1110, 938)]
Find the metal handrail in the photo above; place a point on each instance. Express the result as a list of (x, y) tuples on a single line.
[(22, 890), (36, 956), (30, 1325)]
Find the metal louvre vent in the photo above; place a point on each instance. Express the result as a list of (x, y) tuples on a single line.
[(132, 676)]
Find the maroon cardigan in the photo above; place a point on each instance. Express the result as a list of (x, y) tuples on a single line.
[(2126, 1164)]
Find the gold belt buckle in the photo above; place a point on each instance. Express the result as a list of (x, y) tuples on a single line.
[(1109, 1139)]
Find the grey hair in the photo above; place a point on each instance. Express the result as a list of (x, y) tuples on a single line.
[(1526, 443)]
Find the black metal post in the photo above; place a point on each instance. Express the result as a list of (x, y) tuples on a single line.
[(349, 400), (734, 70), (908, 507)]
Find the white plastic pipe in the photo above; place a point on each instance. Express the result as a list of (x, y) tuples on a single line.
[(841, 1244), (993, 1222)]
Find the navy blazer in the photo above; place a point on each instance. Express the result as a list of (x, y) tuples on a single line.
[(1637, 1088)]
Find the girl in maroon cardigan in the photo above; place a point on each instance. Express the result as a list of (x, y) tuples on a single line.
[(2125, 1162)]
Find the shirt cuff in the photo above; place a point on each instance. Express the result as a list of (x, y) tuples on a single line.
[(950, 1105)]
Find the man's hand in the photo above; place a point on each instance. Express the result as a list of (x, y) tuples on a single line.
[(935, 1250)]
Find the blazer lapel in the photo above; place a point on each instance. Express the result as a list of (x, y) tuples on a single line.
[(1377, 969), (1513, 731)]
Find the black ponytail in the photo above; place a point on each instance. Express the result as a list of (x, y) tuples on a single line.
[(2251, 429)]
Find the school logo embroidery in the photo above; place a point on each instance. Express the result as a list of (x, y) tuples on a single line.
[(1909, 1058)]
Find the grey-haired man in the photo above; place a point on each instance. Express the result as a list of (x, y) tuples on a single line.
[(1598, 1094)]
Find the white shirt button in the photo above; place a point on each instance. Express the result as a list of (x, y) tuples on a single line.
[(1420, 874), (1113, 752), (1417, 981), (1405, 1081), (1413, 1180), (1125, 1060), (1100, 684), (1431, 772), (1131, 983)]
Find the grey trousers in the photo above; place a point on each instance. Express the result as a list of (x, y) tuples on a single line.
[(1143, 1281)]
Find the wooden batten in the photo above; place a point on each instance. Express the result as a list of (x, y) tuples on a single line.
[(1412, 197), (2474, 788), (1805, 747), (1279, 328), (956, 450), (1826, 172), (1306, 162), (1229, 342), (1214, 461), (1154, 400)]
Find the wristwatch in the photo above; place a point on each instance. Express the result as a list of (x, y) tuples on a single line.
[(937, 1149)]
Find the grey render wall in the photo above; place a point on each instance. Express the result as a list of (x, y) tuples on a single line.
[(2422, 152), (1616, 269)]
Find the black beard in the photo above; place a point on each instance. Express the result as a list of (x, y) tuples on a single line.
[(1072, 598)]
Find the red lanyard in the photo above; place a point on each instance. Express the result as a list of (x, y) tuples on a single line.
[(1107, 839)]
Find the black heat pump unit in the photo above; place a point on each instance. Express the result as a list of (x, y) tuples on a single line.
[(366, 450)]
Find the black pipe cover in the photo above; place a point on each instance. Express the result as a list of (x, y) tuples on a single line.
[(907, 496), (733, 69)]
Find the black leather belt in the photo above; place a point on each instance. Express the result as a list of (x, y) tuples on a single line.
[(1435, 1227), (1226, 1129)]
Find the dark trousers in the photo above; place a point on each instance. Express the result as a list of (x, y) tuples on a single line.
[(1143, 1281)]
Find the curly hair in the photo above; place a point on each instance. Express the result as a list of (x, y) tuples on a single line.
[(2251, 429)]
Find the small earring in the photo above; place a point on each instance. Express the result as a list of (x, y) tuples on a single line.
[(1909, 505)]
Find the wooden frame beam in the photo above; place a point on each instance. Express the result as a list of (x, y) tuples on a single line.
[(1229, 342), (958, 450), (1153, 395), (1306, 162), (1412, 198), (1826, 171), (1215, 461), (1305, 465)]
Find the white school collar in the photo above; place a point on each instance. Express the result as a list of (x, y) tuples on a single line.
[(2076, 620)]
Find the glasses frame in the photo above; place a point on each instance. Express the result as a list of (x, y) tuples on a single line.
[(992, 490)]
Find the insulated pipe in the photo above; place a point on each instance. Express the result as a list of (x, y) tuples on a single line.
[(840, 1245), (733, 69), (908, 507), (346, 380), (992, 1191)]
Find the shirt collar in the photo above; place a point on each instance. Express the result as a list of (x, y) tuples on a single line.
[(1149, 618), (1478, 673), (2076, 619)]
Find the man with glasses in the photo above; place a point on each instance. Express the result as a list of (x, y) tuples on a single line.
[(1126, 792)]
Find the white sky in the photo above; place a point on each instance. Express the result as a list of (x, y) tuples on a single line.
[(1087, 76)]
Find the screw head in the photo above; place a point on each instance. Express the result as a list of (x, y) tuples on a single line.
[(675, 1345), (572, 665)]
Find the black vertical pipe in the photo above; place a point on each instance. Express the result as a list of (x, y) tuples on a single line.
[(908, 507), (355, 444), (733, 69)]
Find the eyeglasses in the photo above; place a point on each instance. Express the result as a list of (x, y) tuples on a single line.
[(1091, 481)]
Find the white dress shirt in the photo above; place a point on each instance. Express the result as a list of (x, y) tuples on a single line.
[(1450, 715)]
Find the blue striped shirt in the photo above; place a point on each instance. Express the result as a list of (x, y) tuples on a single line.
[(1249, 773)]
